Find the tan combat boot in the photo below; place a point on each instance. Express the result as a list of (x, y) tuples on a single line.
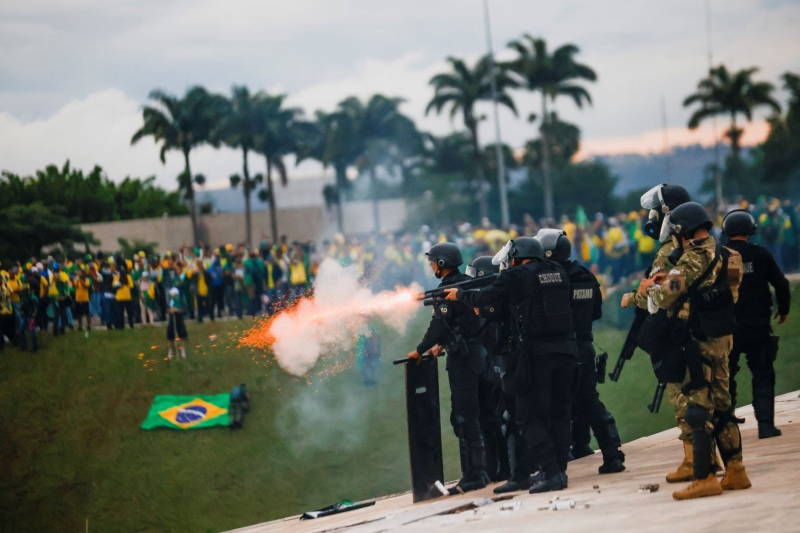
[(700, 488), (685, 471), (735, 477), (716, 464)]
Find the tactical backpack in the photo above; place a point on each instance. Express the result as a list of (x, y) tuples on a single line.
[(668, 341), (240, 405), (712, 309)]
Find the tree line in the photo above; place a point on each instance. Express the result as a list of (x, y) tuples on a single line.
[(372, 136), (372, 139), (43, 209)]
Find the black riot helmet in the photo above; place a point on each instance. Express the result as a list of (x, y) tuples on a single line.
[(674, 195), (445, 255), (482, 266), (687, 218), (661, 200), (739, 222), (555, 243), (526, 248)]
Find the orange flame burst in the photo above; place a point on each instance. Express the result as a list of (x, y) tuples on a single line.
[(325, 327)]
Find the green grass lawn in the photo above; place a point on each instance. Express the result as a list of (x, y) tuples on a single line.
[(71, 448)]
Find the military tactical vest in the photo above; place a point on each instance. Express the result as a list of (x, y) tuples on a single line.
[(545, 308), (582, 294)]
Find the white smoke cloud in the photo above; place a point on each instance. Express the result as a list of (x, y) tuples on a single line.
[(329, 323), (325, 417)]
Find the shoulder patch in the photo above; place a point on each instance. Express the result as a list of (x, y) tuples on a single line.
[(675, 285)]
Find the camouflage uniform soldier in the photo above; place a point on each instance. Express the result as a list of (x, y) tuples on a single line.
[(661, 200), (705, 383)]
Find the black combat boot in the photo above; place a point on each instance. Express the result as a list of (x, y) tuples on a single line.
[(613, 461), (767, 431), (549, 482), (764, 407), (514, 485), (473, 460), (518, 458), (581, 451)]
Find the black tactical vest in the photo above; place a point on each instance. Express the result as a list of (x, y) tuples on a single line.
[(545, 308), (461, 319), (583, 287)]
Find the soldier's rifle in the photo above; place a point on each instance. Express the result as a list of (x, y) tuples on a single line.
[(630, 343)]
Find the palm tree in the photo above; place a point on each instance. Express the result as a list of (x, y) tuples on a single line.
[(359, 135), (277, 136), (563, 141), (450, 154), (328, 140), (725, 93), (238, 128), (181, 124), (462, 89), (781, 158), (552, 75), (387, 138)]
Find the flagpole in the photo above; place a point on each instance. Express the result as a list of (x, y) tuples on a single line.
[(501, 164)]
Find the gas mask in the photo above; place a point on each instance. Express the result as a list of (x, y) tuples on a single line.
[(657, 225), (501, 258)]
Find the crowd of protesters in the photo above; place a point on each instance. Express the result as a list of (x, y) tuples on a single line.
[(113, 291)]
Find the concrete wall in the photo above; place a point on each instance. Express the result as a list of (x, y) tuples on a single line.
[(298, 223)]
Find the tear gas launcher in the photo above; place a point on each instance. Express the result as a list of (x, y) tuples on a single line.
[(437, 296)]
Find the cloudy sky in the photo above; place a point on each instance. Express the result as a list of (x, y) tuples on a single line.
[(75, 73)]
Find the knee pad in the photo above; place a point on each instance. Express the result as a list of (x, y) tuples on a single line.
[(696, 417), (458, 422), (722, 418)]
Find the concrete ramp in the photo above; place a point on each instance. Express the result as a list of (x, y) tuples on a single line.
[(612, 502)]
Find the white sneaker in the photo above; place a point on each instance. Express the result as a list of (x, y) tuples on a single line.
[(183, 354), (169, 355)]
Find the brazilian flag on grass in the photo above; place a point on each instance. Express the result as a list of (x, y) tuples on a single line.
[(188, 412)]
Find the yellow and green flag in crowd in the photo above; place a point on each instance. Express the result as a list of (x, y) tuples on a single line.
[(188, 412)]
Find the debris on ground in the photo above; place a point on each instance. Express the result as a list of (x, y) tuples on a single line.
[(648, 488)]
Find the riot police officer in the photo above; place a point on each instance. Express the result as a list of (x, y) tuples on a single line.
[(700, 341), (503, 437), (753, 335), (454, 327), (537, 293), (587, 306)]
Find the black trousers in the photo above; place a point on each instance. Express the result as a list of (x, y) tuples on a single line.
[(545, 410), (491, 402), (589, 412), (464, 405), (122, 308), (218, 299), (754, 343)]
